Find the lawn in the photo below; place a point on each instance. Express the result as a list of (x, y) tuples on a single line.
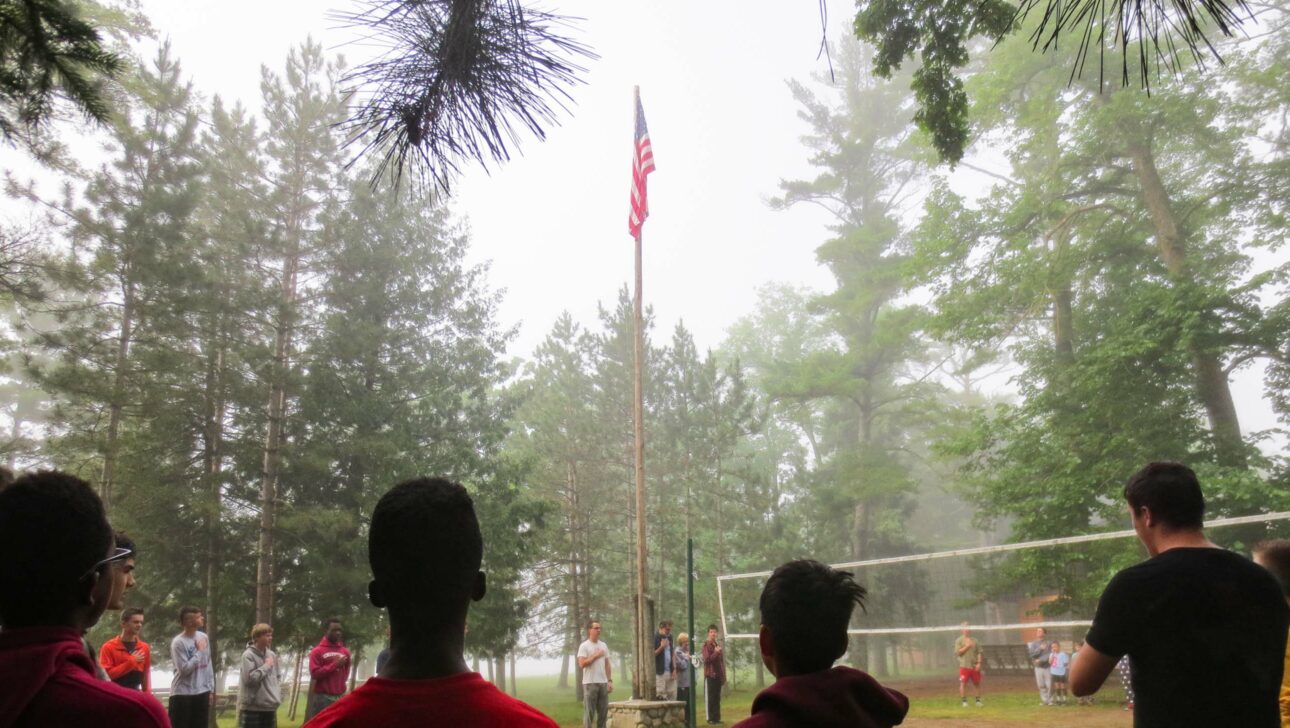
[(1010, 702)]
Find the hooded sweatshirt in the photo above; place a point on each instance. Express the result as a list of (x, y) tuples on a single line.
[(835, 698), (258, 688), (49, 680), (325, 671)]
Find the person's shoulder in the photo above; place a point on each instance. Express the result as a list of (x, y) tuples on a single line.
[(511, 711), (128, 708), (348, 711), (516, 712)]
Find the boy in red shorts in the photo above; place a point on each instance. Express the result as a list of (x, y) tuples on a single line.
[(968, 650)]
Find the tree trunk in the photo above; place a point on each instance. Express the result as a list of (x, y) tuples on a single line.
[(1212, 387), (563, 682), (212, 466), (353, 667), (859, 550), (1063, 322), (295, 683), (515, 689), (107, 477), (264, 579)]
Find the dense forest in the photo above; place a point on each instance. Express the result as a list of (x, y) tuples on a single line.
[(242, 343)]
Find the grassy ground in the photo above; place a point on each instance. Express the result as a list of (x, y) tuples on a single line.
[(1010, 702)]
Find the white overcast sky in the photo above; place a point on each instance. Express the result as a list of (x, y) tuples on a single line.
[(552, 222)]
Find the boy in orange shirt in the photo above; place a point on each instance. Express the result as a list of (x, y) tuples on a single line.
[(126, 658)]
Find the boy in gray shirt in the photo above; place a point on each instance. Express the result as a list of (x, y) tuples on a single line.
[(193, 688), (259, 694)]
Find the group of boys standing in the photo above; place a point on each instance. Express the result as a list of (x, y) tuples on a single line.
[(1051, 666), (1197, 632), (1204, 628), (674, 666), (126, 659)]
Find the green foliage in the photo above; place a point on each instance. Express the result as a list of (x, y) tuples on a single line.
[(1069, 267), (49, 52), (939, 34)]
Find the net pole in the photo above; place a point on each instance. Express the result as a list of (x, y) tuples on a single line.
[(721, 606)]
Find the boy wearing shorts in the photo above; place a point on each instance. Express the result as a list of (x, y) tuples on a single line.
[(968, 650), (1057, 666)]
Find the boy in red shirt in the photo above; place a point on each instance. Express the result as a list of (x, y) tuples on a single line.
[(51, 591), (328, 668), (425, 550)]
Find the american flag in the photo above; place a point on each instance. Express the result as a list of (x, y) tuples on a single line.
[(642, 165)]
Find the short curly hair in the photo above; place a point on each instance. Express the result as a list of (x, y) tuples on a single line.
[(40, 577), (425, 546)]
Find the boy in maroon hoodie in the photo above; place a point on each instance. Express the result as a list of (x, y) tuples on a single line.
[(56, 577), (328, 668), (805, 609)]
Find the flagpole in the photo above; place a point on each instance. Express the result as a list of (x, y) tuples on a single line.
[(645, 672)]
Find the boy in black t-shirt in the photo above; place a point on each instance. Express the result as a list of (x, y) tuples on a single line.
[(1204, 628)]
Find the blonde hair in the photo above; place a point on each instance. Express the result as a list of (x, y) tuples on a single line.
[(260, 629), (683, 639)]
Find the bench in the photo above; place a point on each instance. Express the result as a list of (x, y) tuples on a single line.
[(1006, 659), (225, 702)]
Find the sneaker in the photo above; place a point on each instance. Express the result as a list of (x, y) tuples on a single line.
[(964, 702), (979, 703)]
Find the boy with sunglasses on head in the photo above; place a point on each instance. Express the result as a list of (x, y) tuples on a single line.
[(51, 591)]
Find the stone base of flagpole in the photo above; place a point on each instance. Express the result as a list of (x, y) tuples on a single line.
[(647, 714)]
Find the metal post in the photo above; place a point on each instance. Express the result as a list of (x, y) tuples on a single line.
[(689, 590)]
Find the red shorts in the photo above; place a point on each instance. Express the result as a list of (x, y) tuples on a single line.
[(970, 673)]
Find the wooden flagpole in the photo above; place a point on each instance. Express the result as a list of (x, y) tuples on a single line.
[(644, 652)]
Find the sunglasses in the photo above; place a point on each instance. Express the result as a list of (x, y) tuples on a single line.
[(118, 555)]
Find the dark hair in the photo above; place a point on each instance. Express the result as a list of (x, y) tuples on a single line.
[(1172, 493), (806, 606), (592, 622), (1276, 557), (328, 622), (128, 613), (185, 611), (712, 627), (52, 530), (123, 541), (665, 623), (425, 546)]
